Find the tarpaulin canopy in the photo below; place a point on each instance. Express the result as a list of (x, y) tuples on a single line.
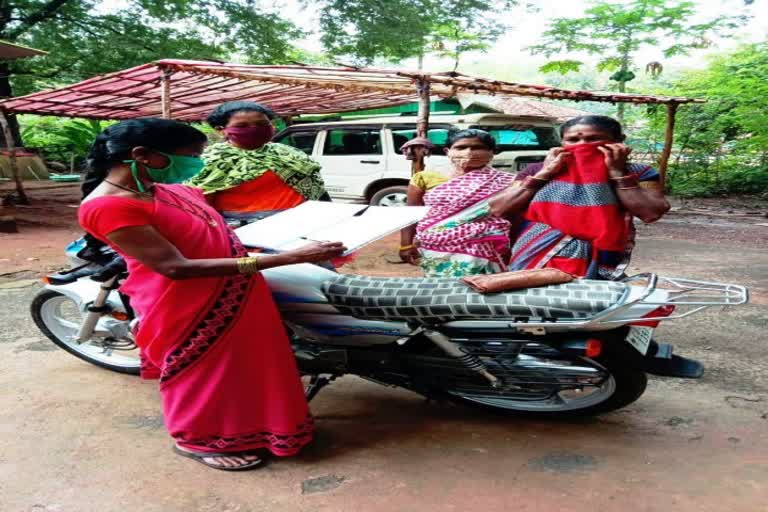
[(9, 51), (188, 90)]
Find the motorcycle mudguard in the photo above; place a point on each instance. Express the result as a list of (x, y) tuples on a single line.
[(84, 291), (675, 366), (659, 360)]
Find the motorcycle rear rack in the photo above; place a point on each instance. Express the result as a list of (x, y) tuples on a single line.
[(688, 296)]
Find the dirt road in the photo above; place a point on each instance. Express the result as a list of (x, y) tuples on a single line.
[(74, 438)]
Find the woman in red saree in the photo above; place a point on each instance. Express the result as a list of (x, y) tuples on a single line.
[(577, 207), (208, 328)]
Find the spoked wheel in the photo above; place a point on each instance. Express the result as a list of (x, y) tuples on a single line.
[(583, 388), (59, 318)]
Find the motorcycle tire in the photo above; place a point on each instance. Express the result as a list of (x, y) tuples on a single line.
[(39, 308), (629, 385)]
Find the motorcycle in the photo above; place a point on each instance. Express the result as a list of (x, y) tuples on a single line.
[(584, 347)]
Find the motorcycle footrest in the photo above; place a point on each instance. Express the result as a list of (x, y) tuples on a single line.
[(663, 351), (675, 366)]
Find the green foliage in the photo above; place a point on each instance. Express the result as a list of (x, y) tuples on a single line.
[(617, 31), (623, 75), (722, 145), (60, 139), (84, 39), (561, 66), (366, 30), (370, 29), (452, 40)]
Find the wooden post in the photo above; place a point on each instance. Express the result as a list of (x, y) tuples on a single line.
[(165, 93), (11, 142), (668, 138), (422, 121)]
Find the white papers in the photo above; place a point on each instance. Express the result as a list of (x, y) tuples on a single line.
[(355, 225)]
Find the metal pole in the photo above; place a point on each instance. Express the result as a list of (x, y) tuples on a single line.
[(422, 120), (10, 141), (165, 92), (668, 139)]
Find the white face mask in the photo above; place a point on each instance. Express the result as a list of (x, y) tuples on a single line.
[(471, 158)]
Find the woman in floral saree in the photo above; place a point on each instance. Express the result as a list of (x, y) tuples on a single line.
[(459, 236), (208, 328)]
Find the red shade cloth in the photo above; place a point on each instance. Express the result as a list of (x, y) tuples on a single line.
[(580, 201)]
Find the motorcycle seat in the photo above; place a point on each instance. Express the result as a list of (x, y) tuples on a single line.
[(447, 299)]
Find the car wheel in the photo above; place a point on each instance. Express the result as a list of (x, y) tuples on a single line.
[(390, 196)]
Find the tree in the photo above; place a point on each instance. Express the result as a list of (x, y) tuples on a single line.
[(366, 30), (370, 29), (722, 145), (84, 41), (464, 26), (617, 31)]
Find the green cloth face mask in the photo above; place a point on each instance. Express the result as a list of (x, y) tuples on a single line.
[(180, 168)]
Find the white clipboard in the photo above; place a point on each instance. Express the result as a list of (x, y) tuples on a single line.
[(354, 225)]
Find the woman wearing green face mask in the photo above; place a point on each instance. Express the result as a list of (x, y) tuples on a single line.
[(208, 328)]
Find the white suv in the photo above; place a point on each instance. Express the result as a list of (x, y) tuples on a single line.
[(362, 161)]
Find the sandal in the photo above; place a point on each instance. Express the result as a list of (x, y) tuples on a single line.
[(201, 456)]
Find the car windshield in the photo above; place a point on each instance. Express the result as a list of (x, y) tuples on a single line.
[(512, 137), (521, 137)]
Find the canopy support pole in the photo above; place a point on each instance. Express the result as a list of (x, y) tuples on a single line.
[(165, 93), (668, 139), (14, 164), (422, 121)]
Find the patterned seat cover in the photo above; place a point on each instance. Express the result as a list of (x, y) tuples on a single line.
[(446, 299)]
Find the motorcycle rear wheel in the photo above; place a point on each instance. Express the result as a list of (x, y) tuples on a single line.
[(59, 318), (623, 387)]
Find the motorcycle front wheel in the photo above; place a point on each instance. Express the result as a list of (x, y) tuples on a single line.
[(59, 318), (622, 387)]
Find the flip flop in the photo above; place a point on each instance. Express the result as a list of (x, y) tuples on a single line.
[(200, 456), (395, 262)]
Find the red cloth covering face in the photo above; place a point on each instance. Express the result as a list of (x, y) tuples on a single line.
[(581, 202)]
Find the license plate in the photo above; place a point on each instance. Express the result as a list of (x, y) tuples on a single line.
[(640, 338)]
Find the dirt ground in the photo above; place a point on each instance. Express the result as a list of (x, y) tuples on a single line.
[(76, 438)]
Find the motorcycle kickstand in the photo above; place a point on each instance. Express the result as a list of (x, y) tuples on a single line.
[(316, 383)]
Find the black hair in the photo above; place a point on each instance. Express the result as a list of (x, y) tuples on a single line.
[(115, 144), (221, 114), (472, 133), (608, 124)]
